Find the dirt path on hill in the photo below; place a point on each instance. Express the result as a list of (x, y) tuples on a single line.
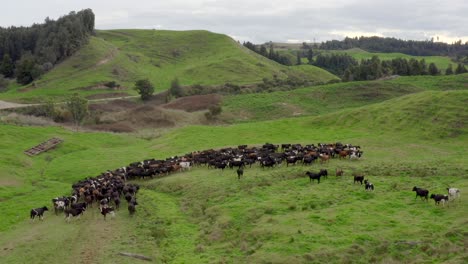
[(9, 105)]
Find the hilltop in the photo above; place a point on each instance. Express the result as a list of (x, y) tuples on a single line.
[(124, 56)]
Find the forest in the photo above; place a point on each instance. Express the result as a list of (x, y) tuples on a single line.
[(28, 52), (410, 47)]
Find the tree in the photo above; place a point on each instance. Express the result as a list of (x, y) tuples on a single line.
[(78, 107), (27, 70), (144, 88), (460, 69), (310, 55), (3, 83), (299, 62), (213, 112), (7, 66), (449, 70), (176, 90), (433, 70)]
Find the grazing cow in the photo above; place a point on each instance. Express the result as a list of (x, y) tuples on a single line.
[(240, 172), (60, 204), (423, 193), (39, 212), (369, 185), (117, 202), (73, 212), (79, 205), (324, 158), (185, 165), (440, 198), (131, 206), (339, 172), (106, 211), (453, 193), (316, 176), (358, 178)]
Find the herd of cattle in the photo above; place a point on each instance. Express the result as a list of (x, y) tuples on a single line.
[(107, 189)]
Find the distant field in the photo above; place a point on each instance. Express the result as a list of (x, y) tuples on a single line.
[(359, 54), (124, 56), (440, 61)]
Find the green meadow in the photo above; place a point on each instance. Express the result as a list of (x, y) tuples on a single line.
[(269, 216)]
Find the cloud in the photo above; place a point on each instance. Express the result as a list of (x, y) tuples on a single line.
[(260, 21)]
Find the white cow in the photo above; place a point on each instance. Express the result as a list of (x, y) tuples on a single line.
[(453, 193)]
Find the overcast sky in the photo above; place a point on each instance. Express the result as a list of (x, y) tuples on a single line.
[(259, 21)]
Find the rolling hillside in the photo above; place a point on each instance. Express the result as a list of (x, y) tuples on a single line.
[(124, 56), (324, 99)]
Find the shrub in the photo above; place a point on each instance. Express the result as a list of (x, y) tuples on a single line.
[(145, 89)]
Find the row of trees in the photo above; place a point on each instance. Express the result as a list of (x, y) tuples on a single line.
[(374, 68), (411, 47), (269, 53), (27, 52)]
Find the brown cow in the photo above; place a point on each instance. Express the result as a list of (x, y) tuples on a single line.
[(324, 158)]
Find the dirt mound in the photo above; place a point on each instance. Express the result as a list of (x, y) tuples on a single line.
[(195, 102)]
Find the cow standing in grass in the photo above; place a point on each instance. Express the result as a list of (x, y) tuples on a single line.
[(39, 212)]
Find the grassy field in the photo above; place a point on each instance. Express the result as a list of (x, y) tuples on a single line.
[(124, 56), (324, 99), (270, 216)]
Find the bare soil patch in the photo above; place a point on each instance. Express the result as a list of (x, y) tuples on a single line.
[(195, 102)]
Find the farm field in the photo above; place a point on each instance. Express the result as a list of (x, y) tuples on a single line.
[(125, 56), (271, 215)]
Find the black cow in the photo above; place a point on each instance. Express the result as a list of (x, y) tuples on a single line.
[(316, 176), (440, 198), (240, 172), (73, 212), (369, 185), (358, 178), (423, 193), (107, 210), (39, 212)]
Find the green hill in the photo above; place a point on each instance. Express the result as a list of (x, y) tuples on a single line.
[(325, 99), (431, 114), (124, 56)]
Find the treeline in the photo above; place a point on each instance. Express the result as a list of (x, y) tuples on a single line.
[(269, 53), (28, 52), (334, 63), (411, 47), (374, 68)]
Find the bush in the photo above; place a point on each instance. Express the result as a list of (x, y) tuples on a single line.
[(145, 89), (3, 84)]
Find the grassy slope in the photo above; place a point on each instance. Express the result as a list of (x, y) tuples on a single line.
[(207, 216), (329, 98), (124, 56)]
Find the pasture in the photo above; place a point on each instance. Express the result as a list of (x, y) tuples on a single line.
[(270, 215)]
